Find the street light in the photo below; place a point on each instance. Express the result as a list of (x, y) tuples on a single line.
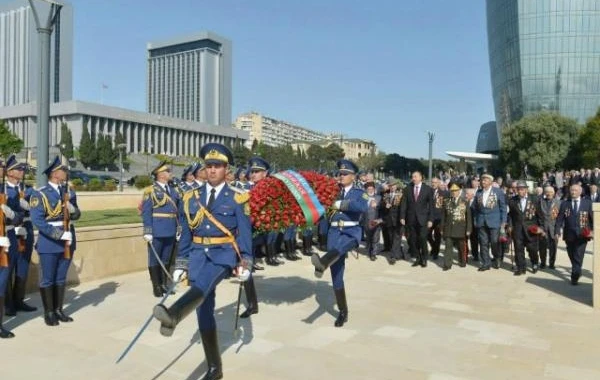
[(431, 138), (121, 147)]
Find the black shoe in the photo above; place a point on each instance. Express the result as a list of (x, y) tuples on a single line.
[(416, 264), (213, 355), (574, 279), (542, 266), (251, 297), (307, 245), (551, 266), (424, 264), (156, 280), (271, 252), (19, 296), (47, 295), (496, 264), (445, 268), (340, 298), (255, 266), (462, 265), (322, 263), (434, 257), (483, 269), (289, 252), (169, 318), (534, 268), (475, 258), (59, 298), (517, 273), (4, 334)]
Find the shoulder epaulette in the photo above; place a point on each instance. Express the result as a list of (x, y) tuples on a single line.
[(188, 195), (148, 189), (238, 190)]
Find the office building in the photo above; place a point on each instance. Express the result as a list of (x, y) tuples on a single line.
[(190, 78), (353, 148), (19, 53), (544, 55)]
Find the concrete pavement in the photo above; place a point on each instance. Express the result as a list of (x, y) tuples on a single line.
[(404, 323)]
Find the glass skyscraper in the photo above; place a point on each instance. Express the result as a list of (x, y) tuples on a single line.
[(544, 55)]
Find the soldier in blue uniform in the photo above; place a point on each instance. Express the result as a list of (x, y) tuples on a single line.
[(19, 267), (344, 234), (8, 243), (216, 238), (188, 179), (55, 246), (161, 225), (200, 173)]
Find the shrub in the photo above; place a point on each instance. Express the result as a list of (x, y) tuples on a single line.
[(95, 185), (142, 181), (110, 185), (78, 184)]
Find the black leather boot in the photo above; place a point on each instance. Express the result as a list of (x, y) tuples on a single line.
[(59, 299), (19, 295), (322, 242), (322, 263), (9, 305), (4, 334), (251, 297), (169, 318), (289, 251), (155, 278), (307, 245), (340, 298), (48, 302), (271, 252), (210, 343)]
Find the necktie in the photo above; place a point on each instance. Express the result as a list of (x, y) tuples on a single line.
[(416, 192), (575, 206), (343, 193), (211, 199), (167, 190)]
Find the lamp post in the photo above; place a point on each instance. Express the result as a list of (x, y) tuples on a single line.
[(431, 138), (43, 96), (121, 147)]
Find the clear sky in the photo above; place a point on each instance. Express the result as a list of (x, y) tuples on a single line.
[(386, 70)]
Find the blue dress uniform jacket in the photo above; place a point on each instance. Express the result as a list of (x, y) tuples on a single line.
[(12, 201), (159, 211), (494, 213), (229, 209), (47, 216)]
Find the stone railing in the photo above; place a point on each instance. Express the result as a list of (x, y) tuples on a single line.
[(107, 200)]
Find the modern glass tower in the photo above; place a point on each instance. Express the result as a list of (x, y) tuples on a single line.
[(190, 78), (19, 53), (544, 55)]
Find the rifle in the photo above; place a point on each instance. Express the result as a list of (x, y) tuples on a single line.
[(3, 200), (66, 216), (21, 241)]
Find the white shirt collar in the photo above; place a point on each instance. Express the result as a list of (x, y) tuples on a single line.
[(348, 188), (217, 189), (54, 186), (162, 185)]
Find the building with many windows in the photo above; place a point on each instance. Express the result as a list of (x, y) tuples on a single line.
[(544, 55), (353, 148), (273, 132), (19, 53), (143, 132), (190, 78)]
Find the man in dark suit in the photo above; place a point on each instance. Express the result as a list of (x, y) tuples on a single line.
[(489, 208), (435, 234), (415, 214), (575, 223), (390, 213), (525, 219), (594, 196)]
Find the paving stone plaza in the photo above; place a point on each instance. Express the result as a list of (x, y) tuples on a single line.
[(404, 323)]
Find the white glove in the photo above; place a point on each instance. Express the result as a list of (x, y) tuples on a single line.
[(8, 212), (24, 204), (337, 205), (148, 238), (4, 242), (21, 231), (67, 236), (71, 208), (177, 236), (179, 275), (243, 275)]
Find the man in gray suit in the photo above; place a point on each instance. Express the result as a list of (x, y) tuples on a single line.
[(549, 206)]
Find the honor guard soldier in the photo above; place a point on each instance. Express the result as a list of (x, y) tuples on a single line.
[(52, 207), (456, 225), (344, 234), (188, 179), (161, 226), (15, 292), (200, 173), (216, 238), (11, 216)]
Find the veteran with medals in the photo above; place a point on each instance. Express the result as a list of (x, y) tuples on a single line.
[(456, 226)]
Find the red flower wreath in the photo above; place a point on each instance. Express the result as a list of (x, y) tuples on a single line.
[(274, 208)]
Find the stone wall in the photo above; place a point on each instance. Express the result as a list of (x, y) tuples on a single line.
[(90, 200)]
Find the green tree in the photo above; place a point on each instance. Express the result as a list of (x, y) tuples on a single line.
[(106, 153), (241, 154), (588, 144), (540, 141), (9, 143), (372, 162), (87, 149), (66, 142), (333, 152)]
